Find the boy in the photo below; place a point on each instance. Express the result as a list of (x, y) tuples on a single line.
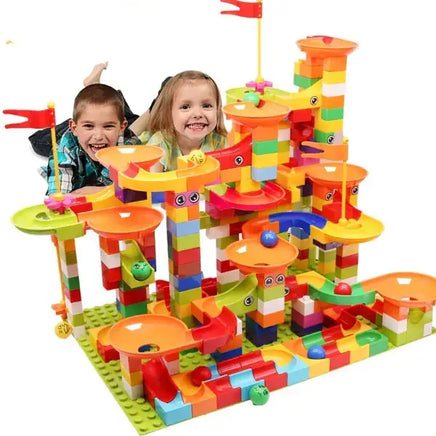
[(98, 122)]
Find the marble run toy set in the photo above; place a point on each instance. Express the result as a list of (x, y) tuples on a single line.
[(281, 204)]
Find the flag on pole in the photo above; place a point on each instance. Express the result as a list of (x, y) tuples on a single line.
[(245, 9), (35, 119), (327, 151)]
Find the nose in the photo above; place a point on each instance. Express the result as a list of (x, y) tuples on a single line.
[(98, 133)]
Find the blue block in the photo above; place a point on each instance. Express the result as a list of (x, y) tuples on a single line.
[(260, 340), (174, 411), (214, 371), (300, 331), (306, 190), (187, 283), (263, 174), (219, 357), (158, 197), (244, 380), (183, 229), (296, 369), (152, 263), (129, 195), (253, 326), (118, 305), (299, 233)]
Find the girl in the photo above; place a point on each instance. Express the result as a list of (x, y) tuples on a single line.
[(187, 116)]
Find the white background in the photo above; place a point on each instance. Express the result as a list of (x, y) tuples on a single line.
[(47, 47)]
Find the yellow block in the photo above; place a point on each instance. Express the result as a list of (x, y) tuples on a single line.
[(334, 76), (347, 250), (328, 126), (301, 244), (264, 160), (328, 267), (246, 184), (178, 215), (135, 378)]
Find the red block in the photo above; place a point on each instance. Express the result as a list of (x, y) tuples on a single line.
[(345, 262), (74, 296), (133, 297), (268, 373), (299, 116), (224, 265), (226, 394), (209, 286), (187, 256)]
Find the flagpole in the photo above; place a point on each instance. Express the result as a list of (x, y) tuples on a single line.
[(55, 150), (259, 78)]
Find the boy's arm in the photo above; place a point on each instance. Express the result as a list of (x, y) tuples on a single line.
[(88, 190), (66, 174)]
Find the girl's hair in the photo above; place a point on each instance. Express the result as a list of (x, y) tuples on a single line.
[(97, 93), (161, 117)]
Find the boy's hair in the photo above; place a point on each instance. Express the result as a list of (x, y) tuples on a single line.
[(98, 93), (161, 117)]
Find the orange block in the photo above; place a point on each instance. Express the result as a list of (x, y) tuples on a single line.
[(333, 102), (266, 133), (335, 64), (193, 213), (311, 71), (236, 342), (68, 245), (231, 175), (396, 312), (109, 246), (268, 320)]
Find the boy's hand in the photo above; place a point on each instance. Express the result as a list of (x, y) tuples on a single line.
[(87, 190)]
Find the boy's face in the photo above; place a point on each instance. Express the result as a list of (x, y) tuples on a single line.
[(194, 111), (97, 127)]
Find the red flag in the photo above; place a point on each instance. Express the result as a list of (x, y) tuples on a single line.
[(35, 119), (246, 9)]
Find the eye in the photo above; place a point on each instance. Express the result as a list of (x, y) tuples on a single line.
[(180, 200), (239, 160), (268, 281), (355, 190), (330, 139), (249, 301), (208, 106), (88, 126), (184, 107), (329, 196), (287, 290), (194, 197), (280, 279), (313, 100)]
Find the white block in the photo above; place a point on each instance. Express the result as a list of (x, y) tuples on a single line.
[(228, 277), (218, 232), (221, 254), (134, 392), (238, 327), (394, 325), (350, 280), (333, 89), (304, 305), (79, 331), (74, 308), (69, 270), (284, 134), (428, 329), (272, 306), (173, 366), (110, 260)]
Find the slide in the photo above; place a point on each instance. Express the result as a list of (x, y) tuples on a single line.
[(158, 382)]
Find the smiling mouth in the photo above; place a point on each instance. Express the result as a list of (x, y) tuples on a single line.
[(96, 147), (197, 126)]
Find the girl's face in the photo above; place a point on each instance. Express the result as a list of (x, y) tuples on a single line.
[(194, 112)]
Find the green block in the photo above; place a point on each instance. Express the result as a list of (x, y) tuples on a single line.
[(190, 321), (313, 339), (71, 283), (304, 82), (395, 338), (265, 147), (327, 137), (327, 256), (78, 320), (332, 114), (205, 221), (346, 273), (272, 293), (377, 342), (283, 235), (248, 216), (186, 297), (226, 241), (133, 309), (181, 243), (70, 232), (415, 323), (220, 189)]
